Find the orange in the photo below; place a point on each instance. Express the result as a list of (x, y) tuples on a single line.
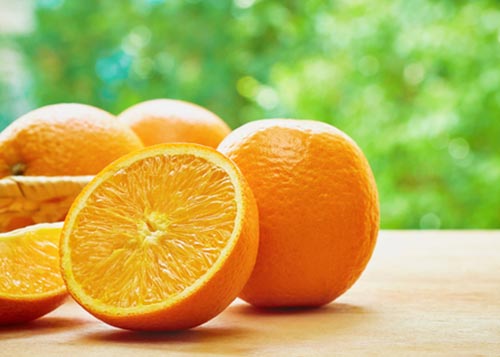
[(162, 239), (64, 139), (167, 120), (318, 210), (30, 284)]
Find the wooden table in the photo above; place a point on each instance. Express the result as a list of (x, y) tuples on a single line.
[(423, 293)]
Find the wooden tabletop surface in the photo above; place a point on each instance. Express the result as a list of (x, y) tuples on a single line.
[(423, 293)]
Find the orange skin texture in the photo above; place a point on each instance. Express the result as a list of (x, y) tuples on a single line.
[(64, 139), (167, 120), (16, 311), (208, 300), (318, 210)]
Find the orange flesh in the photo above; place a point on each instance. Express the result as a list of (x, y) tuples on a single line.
[(29, 262), (141, 240)]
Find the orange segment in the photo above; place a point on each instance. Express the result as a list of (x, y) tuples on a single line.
[(162, 239), (31, 283)]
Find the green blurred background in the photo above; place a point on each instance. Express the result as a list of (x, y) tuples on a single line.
[(416, 83)]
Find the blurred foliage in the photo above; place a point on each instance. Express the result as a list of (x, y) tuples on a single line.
[(415, 83)]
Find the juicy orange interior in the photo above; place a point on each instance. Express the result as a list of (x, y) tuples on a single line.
[(29, 261), (152, 229)]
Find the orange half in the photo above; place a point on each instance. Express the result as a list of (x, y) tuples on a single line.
[(162, 239), (30, 284)]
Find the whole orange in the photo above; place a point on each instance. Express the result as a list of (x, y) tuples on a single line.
[(168, 120), (64, 139), (318, 210)]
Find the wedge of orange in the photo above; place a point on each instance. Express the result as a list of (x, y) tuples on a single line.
[(30, 281), (162, 239)]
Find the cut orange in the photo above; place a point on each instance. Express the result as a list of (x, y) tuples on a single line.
[(30, 284), (162, 239)]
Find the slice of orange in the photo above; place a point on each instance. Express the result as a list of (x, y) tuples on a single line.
[(30, 281), (162, 239)]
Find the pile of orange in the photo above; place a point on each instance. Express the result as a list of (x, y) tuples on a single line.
[(284, 213)]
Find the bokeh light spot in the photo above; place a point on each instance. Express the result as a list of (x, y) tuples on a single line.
[(247, 86), (49, 4), (267, 98), (430, 220), (414, 73), (137, 39), (244, 4), (143, 66), (458, 148), (113, 67)]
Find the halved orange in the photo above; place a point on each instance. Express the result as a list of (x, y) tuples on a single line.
[(30, 284), (162, 239)]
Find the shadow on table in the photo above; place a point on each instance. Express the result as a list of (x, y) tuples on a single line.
[(243, 330), (203, 339), (334, 308), (44, 325), (200, 334)]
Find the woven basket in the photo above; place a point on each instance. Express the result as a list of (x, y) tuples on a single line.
[(28, 200)]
